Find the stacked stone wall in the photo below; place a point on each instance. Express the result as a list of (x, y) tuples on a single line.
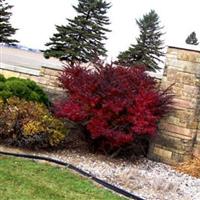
[(179, 135)]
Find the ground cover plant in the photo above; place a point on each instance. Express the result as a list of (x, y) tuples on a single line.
[(29, 124), (113, 104), (22, 88), (23, 179)]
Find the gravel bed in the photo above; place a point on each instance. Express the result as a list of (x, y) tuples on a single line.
[(145, 178)]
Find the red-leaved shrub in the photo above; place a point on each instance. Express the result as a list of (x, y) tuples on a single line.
[(114, 103)]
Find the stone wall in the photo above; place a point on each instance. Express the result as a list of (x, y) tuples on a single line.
[(179, 135)]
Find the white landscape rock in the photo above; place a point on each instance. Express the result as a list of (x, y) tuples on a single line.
[(145, 178)]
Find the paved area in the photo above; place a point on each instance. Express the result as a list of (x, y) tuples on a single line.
[(29, 59), (14, 57)]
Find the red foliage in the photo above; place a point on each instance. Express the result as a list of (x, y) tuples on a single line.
[(114, 103)]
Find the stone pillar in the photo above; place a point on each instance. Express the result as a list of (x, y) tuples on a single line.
[(179, 137)]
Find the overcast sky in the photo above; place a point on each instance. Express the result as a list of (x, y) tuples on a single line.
[(36, 20)]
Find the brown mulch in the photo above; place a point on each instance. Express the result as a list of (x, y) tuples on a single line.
[(191, 167)]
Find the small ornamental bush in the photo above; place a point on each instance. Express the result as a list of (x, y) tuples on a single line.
[(114, 104), (22, 88), (29, 124), (2, 78)]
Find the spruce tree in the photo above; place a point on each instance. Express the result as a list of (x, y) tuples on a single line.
[(149, 47), (6, 29), (192, 39), (82, 38)]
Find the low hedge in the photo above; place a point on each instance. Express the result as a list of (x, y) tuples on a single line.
[(22, 88)]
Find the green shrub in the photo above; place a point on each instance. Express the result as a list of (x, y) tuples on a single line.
[(2, 86), (4, 94), (17, 88), (2, 78), (22, 88), (29, 124)]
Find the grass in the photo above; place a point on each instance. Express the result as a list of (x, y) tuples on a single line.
[(22, 179)]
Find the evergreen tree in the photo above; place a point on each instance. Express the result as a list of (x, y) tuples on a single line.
[(81, 40), (6, 29), (192, 39), (149, 47)]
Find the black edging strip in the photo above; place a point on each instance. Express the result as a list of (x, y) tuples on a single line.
[(80, 171)]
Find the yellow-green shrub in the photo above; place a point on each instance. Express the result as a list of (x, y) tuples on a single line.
[(29, 124)]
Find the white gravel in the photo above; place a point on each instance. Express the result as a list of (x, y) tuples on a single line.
[(145, 178), (148, 179)]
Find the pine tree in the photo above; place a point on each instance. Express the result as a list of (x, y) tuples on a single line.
[(192, 39), (6, 29), (149, 47), (81, 40)]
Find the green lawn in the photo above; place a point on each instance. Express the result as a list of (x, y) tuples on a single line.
[(22, 179)]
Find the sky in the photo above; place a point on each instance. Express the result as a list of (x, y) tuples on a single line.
[(36, 20)]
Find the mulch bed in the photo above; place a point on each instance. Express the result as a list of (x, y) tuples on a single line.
[(191, 167)]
